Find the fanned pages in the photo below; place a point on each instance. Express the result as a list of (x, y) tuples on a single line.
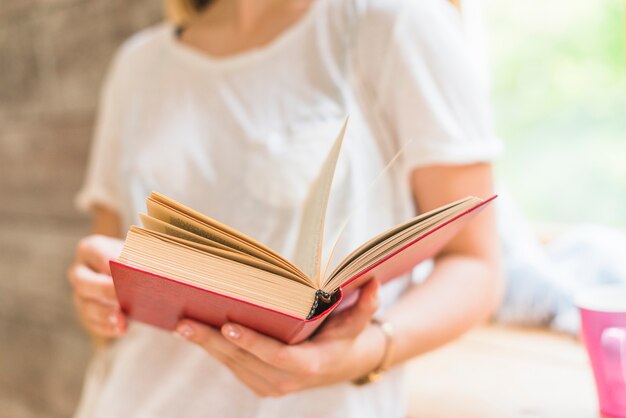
[(170, 211), (186, 264), (308, 254)]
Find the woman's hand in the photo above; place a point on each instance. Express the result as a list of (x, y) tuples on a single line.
[(346, 348), (94, 294)]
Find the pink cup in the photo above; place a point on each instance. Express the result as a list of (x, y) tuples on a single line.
[(603, 316)]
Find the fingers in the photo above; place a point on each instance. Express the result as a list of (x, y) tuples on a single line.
[(91, 285), (100, 319), (98, 312), (248, 368), (106, 331), (269, 350), (96, 250), (368, 301), (94, 293), (212, 341), (354, 320)]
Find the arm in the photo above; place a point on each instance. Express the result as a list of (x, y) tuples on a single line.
[(94, 295), (465, 285), (463, 289)]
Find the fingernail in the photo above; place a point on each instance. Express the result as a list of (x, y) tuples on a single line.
[(185, 331), (113, 319), (231, 331)]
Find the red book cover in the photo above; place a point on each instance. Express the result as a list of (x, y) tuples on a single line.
[(162, 302)]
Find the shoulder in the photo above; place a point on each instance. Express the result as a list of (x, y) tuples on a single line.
[(145, 42), (376, 24), (385, 16), (413, 31), (140, 51), (389, 12)]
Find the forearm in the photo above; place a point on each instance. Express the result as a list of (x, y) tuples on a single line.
[(461, 292)]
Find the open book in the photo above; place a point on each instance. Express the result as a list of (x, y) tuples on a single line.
[(182, 263)]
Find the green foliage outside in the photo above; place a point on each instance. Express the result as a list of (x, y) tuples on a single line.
[(559, 92)]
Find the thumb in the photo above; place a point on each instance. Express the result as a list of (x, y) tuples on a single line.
[(352, 321)]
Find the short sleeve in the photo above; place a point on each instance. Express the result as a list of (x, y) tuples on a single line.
[(100, 186), (415, 63)]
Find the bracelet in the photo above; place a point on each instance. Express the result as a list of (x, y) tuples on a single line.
[(378, 371)]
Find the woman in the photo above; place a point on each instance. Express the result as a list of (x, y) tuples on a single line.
[(232, 113)]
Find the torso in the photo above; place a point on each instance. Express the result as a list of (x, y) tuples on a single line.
[(241, 139)]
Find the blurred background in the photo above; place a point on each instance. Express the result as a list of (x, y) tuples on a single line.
[(558, 75), (559, 92)]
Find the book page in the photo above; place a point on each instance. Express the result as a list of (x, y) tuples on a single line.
[(157, 225), (227, 254), (388, 242), (308, 252), (214, 224), (372, 191), (389, 234), (178, 215), (215, 273)]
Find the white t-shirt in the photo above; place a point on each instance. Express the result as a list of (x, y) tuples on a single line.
[(241, 138)]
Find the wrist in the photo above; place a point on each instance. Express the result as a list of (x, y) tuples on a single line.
[(375, 352)]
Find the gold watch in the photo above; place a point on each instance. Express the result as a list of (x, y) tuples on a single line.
[(378, 371)]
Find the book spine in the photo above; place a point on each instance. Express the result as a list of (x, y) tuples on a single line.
[(323, 301)]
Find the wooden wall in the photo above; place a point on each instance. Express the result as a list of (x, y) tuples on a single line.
[(53, 54)]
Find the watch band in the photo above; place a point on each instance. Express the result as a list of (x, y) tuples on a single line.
[(378, 371)]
